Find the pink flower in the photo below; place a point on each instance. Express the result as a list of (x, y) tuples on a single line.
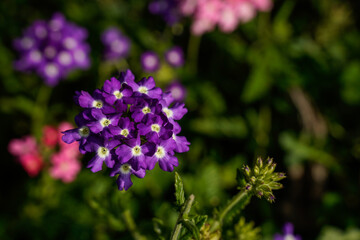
[(50, 136), (263, 5), (227, 14), (65, 166), (32, 163), (25, 145)]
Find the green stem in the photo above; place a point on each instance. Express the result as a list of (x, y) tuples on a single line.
[(183, 214), (131, 226), (40, 109), (240, 197)]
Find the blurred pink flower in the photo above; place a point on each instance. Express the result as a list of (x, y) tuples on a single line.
[(227, 14), (263, 5), (65, 166), (25, 145), (50, 136), (32, 163)]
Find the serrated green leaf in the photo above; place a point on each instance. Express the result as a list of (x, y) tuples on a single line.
[(179, 190), (192, 228)]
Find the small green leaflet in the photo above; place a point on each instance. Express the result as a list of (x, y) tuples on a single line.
[(179, 190)]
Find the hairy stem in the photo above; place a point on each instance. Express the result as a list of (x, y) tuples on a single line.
[(239, 198), (183, 214)]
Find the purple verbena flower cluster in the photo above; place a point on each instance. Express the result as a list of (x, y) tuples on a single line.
[(52, 49), (116, 44), (130, 126)]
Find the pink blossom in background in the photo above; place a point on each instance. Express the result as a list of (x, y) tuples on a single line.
[(65, 167), (50, 136), (25, 145), (32, 163), (227, 14), (65, 163)]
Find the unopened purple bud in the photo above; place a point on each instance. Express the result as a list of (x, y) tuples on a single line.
[(248, 187), (259, 162)]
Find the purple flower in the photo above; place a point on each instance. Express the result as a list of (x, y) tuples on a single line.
[(168, 9), (178, 91), (103, 154), (135, 153), (52, 49), (175, 56), (130, 126), (125, 171), (164, 154), (150, 61), (116, 44), (288, 231), (114, 90), (146, 86)]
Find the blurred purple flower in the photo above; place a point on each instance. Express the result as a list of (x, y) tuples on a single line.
[(116, 44), (178, 91), (52, 49), (175, 56), (150, 61), (168, 9), (288, 231)]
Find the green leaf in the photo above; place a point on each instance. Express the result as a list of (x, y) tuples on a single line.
[(192, 228), (179, 190)]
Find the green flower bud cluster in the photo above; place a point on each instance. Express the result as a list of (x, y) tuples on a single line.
[(261, 180)]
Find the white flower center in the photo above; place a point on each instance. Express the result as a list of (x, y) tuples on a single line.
[(51, 70), (117, 46), (97, 104), (143, 89), (55, 25), (169, 113), (27, 42), (69, 43), (35, 56), (65, 58), (136, 151), (40, 32), (84, 131), (124, 132), (79, 56), (125, 168), (146, 110), (118, 94), (289, 237), (105, 122), (174, 137), (50, 52), (150, 61), (176, 92), (160, 152), (155, 127), (173, 57), (103, 152)]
